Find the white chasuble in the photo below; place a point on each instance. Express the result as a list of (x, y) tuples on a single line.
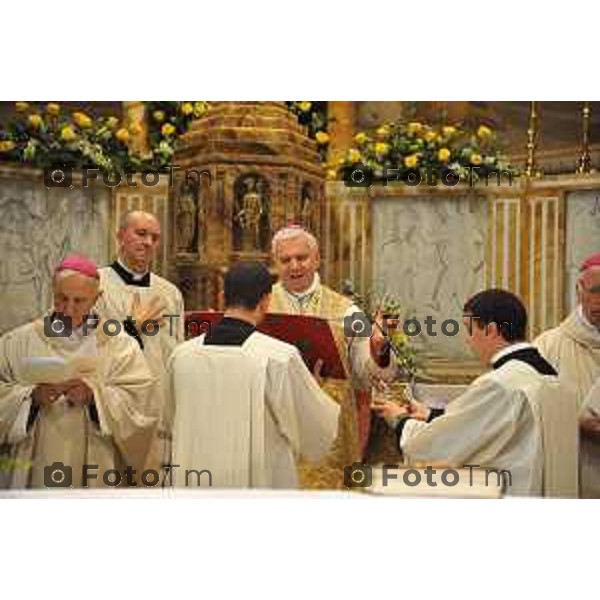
[(116, 302), (113, 433)]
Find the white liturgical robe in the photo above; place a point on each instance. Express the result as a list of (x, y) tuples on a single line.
[(573, 348), (512, 418), (246, 413), (118, 292), (114, 432)]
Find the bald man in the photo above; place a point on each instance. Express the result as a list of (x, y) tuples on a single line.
[(71, 395), (573, 348), (149, 307)]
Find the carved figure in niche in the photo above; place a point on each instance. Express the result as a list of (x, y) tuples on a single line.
[(307, 208), (186, 221), (251, 213)]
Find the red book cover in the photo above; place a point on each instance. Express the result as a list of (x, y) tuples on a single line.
[(311, 335)]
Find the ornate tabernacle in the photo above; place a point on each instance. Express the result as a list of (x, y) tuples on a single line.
[(264, 172)]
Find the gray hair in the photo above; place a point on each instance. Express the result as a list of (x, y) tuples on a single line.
[(292, 233), (66, 273)]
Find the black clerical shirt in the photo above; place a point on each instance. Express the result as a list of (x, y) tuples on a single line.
[(229, 332)]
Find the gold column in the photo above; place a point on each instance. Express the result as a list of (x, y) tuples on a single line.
[(134, 116), (585, 160), (341, 128), (530, 167)]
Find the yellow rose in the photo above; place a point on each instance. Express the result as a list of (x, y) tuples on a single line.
[(82, 120), (354, 155), (448, 130), (430, 136), (6, 146), (322, 137), (52, 108), (411, 161), (122, 135), (414, 127), (135, 129), (382, 148), (112, 122), (360, 138), (159, 116), (35, 120), (167, 129), (304, 106), (444, 155), (187, 108), (484, 131), (21, 106), (383, 131), (67, 134), (476, 159)]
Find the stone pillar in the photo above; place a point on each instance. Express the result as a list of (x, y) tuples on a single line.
[(134, 115), (341, 129)]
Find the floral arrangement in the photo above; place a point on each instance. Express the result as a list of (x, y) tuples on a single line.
[(313, 115), (50, 136), (403, 353), (167, 121), (410, 146), (46, 136)]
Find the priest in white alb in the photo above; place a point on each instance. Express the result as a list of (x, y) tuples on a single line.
[(574, 349), (73, 394), (246, 406), (517, 417), (149, 307)]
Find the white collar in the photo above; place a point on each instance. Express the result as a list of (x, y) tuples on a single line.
[(134, 275), (316, 282), (509, 350)]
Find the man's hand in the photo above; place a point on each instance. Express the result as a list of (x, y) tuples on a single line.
[(46, 394), (149, 309), (317, 371), (418, 410), (589, 422), (390, 410), (78, 393)]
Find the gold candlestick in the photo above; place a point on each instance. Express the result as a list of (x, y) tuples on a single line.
[(531, 140), (585, 160)]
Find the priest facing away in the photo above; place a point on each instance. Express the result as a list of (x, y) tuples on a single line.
[(517, 417), (71, 394), (246, 406)]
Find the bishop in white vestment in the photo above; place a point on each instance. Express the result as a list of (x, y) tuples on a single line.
[(71, 394), (574, 349)]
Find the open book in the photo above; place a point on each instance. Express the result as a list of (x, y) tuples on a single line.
[(398, 480), (55, 369)]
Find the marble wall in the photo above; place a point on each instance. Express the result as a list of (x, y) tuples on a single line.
[(429, 252), (38, 226), (582, 236)]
